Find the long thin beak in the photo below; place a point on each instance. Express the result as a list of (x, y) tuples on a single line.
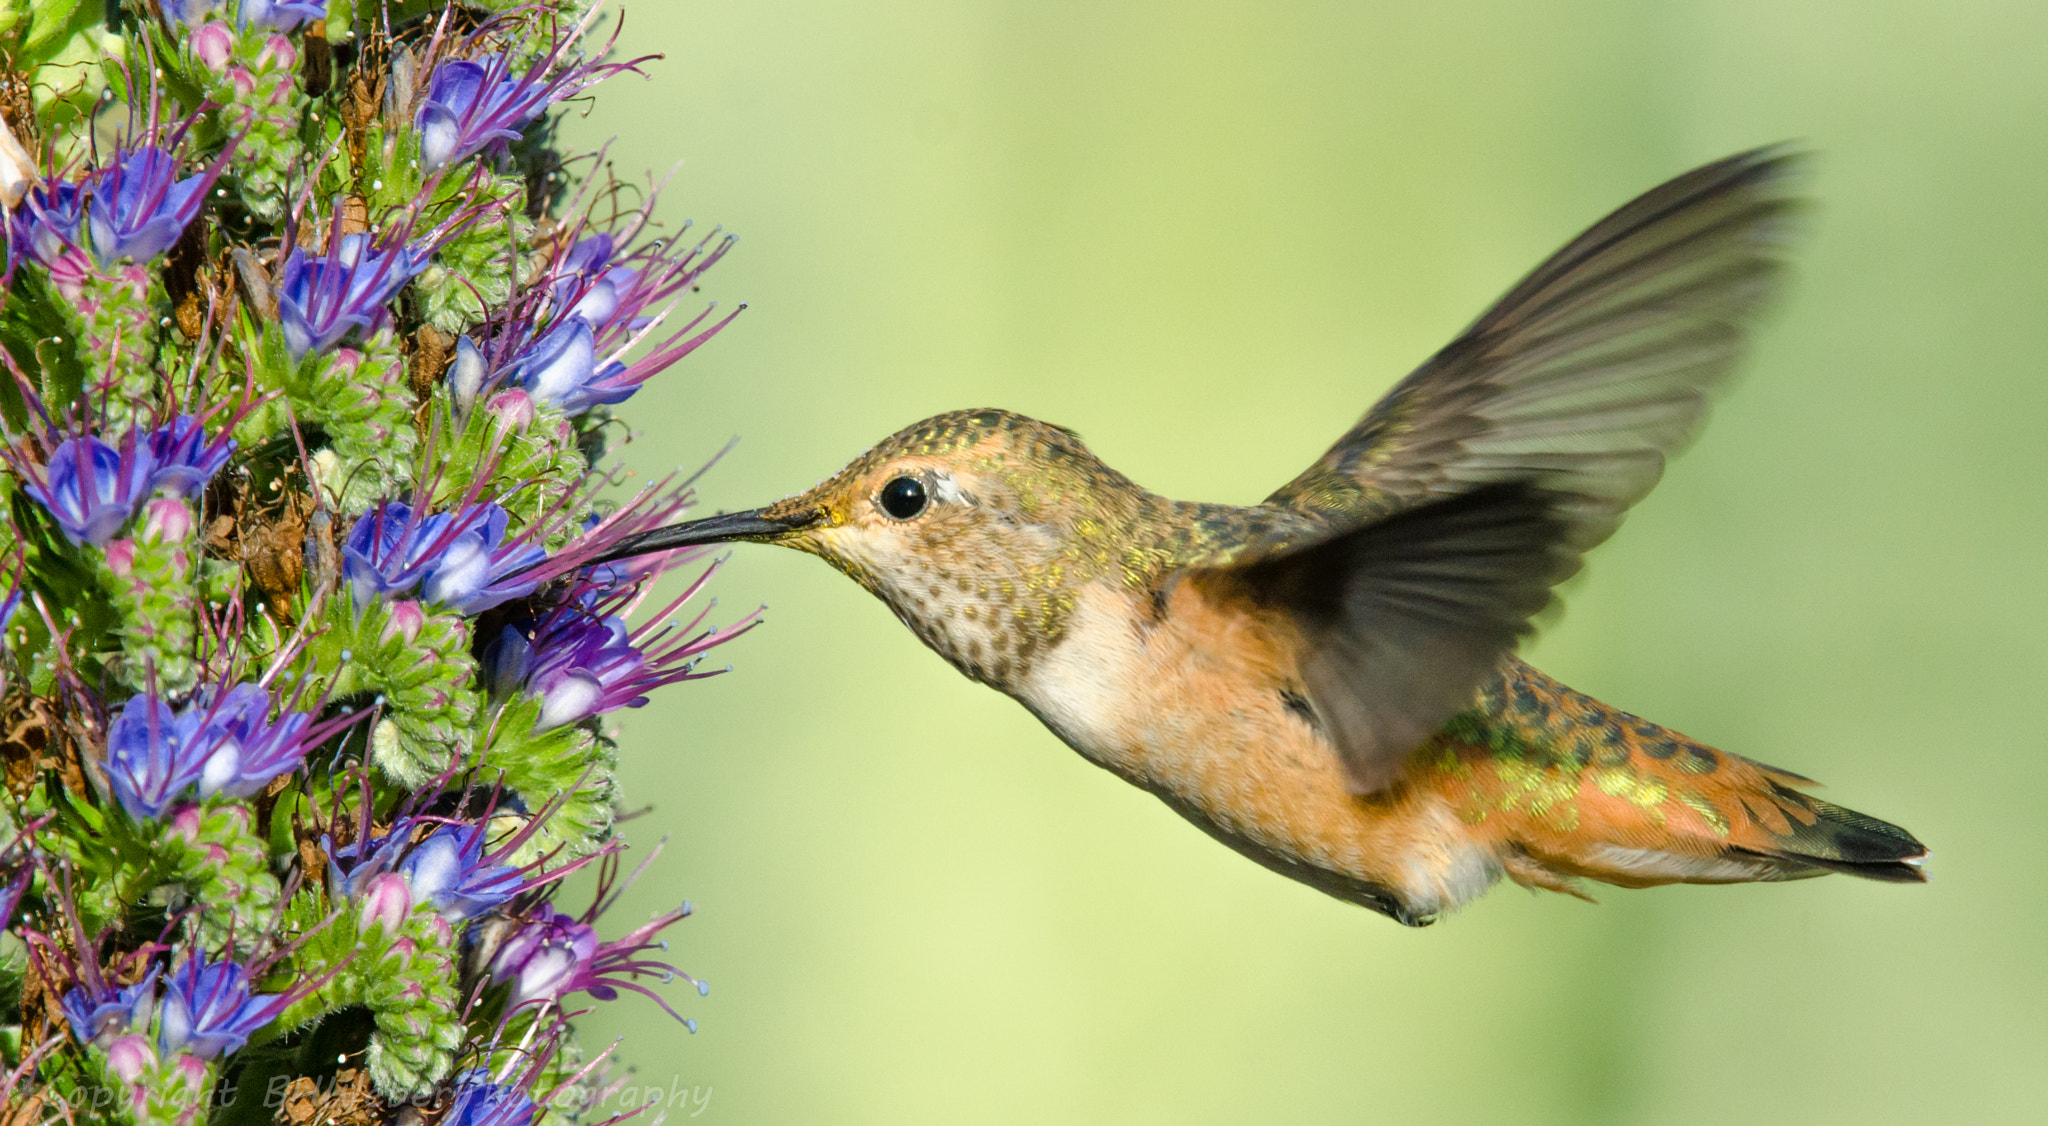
[(723, 528)]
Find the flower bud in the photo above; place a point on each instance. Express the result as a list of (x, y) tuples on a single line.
[(191, 1069), (130, 1057), (385, 902), (166, 521), (277, 53), (513, 408), (406, 620), (186, 822), (442, 930), (214, 43), (121, 557), (465, 376)]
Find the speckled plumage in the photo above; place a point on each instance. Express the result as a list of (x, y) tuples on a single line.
[(1108, 528), (1325, 682)]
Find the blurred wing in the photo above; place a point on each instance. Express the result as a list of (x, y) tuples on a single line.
[(1588, 373), (1459, 499)]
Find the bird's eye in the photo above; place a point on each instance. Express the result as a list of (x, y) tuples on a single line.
[(903, 497)]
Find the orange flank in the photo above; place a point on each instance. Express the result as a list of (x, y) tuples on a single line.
[(1534, 781)]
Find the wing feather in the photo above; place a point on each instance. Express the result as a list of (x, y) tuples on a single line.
[(1451, 509), (1612, 346)]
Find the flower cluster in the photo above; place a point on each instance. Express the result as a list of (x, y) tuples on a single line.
[(321, 298), (463, 559), (133, 207), (306, 445), (583, 659), (222, 742), (570, 344), (91, 488)]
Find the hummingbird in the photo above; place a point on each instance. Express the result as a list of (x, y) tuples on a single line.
[(1327, 682)]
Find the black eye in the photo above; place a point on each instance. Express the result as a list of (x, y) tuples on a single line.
[(903, 497)]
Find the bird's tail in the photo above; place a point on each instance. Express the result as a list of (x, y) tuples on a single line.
[(1566, 786)]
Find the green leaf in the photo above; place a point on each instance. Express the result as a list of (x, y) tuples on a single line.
[(51, 25)]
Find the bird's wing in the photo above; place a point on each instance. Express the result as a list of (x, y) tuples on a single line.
[(1473, 486)]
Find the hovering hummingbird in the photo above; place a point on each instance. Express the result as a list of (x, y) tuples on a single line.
[(1326, 682)]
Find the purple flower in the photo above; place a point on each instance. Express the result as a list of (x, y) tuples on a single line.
[(153, 754), (223, 741), (586, 285), (656, 504), (189, 12), (90, 487), (13, 889), (450, 870), (244, 749), (560, 368), (606, 308), (554, 954), (582, 660), (352, 868), (322, 298), (208, 1010), (184, 460), (567, 338), (391, 547), (8, 606), (140, 207), (475, 101), (470, 575), (98, 1014), (283, 15), (45, 228), (617, 380), (237, 735), (447, 868), (643, 284), (544, 958), (480, 1102), (472, 102), (381, 554), (578, 664), (463, 557)]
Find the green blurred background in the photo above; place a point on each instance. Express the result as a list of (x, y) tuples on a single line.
[(1207, 236)]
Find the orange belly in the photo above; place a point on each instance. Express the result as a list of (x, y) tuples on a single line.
[(1198, 702), (1192, 706)]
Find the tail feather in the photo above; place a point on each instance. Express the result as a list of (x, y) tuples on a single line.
[(1843, 840), (1569, 787)]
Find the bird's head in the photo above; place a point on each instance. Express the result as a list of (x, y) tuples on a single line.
[(975, 527)]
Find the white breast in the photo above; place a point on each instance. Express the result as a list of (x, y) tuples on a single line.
[(1085, 685)]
